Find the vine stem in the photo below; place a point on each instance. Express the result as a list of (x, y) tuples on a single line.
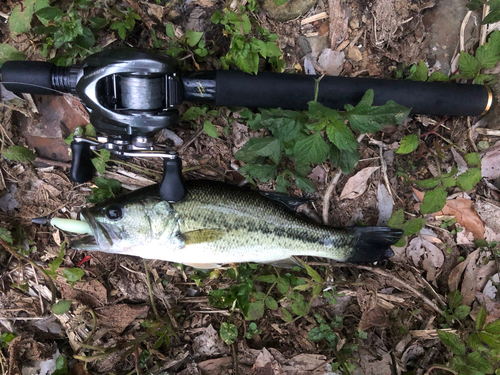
[(440, 367), (331, 188), (150, 289)]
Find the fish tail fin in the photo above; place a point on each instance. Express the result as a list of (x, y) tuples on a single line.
[(373, 243)]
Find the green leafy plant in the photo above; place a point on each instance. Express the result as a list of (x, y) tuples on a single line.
[(300, 136), (493, 16), (125, 21), (60, 307), (9, 53), (67, 31), (253, 330), (487, 56), (6, 235), (6, 338), (18, 154), (106, 188), (245, 50), (228, 333), (476, 351), (434, 200), (72, 275), (61, 366), (410, 227), (190, 42), (206, 115)]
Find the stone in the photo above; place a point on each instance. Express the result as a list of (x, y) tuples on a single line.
[(288, 11), (331, 62), (354, 54)]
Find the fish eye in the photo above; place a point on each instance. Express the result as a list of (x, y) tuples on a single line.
[(114, 212)]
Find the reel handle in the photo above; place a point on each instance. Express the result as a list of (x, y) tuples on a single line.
[(172, 187), (82, 169)]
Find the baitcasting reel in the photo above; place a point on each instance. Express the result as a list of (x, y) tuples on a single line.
[(131, 94)]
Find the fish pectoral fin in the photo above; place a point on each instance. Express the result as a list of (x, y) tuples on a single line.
[(286, 263), (202, 235), (204, 266)]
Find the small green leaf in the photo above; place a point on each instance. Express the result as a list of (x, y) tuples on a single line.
[(413, 226), (341, 136), (311, 272), (397, 219), (267, 279), (283, 285), (97, 22), (256, 147), (60, 307), (473, 159), (493, 341), (193, 37), (479, 362), (262, 172), (300, 307), (409, 143), (345, 160), (487, 56), (461, 312), (20, 18), (467, 180), (493, 327), (481, 318), (73, 275), (452, 341), (210, 129), (61, 366), (469, 66), (474, 342), (170, 31), (6, 235), (438, 77), (420, 73), (19, 154), (315, 334), (285, 315), (434, 201), (279, 2), (228, 333), (312, 149), (50, 13), (429, 183), (9, 53), (304, 184), (255, 311), (271, 303)]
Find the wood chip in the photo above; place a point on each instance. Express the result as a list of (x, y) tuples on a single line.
[(316, 17)]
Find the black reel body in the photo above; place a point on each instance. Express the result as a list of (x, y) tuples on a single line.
[(130, 92)]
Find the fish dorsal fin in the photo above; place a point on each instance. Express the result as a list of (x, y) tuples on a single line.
[(286, 263), (202, 235), (288, 200), (203, 266)]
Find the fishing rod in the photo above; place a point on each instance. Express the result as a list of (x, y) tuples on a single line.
[(131, 94)]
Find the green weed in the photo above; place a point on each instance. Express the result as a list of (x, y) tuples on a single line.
[(299, 136), (245, 50)]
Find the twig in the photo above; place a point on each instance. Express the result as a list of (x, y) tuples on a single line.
[(53, 162), (403, 285), (316, 17), (181, 149), (39, 294), (151, 291), (381, 147), (485, 131), (484, 28), (462, 30), (440, 367), (331, 188), (16, 255), (470, 135), (235, 359)]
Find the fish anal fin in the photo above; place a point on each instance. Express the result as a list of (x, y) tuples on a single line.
[(203, 266), (285, 263), (202, 235)]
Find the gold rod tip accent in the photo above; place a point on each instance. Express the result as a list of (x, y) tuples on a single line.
[(490, 101)]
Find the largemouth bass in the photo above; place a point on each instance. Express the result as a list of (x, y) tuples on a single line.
[(218, 224)]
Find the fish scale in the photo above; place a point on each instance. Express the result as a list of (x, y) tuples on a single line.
[(218, 223)]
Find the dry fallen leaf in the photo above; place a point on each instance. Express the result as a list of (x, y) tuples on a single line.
[(473, 274), (490, 167), (422, 250), (464, 213), (357, 184), (384, 205)]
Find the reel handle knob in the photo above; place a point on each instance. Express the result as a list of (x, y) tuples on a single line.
[(172, 185), (82, 169)]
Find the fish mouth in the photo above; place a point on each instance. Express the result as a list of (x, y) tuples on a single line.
[(103, 236)]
